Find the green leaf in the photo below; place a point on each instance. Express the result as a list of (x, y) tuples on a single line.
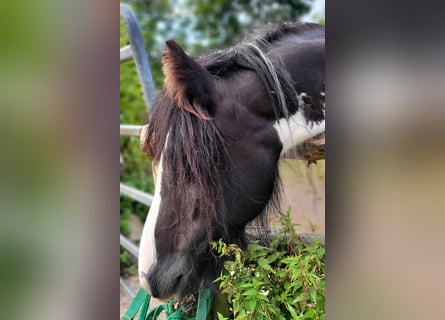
[(309, 314), (291, 311), (313, 294), (250, 292), (251, 304), (221, 317)]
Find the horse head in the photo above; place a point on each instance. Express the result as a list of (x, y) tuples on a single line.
[(216, 133)]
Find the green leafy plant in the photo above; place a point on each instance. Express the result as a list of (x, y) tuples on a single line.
[(285, 280)]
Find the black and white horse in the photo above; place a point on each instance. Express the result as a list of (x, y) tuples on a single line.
[(216, 134)]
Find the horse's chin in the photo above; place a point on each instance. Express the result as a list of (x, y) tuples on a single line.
[(182, 292), (173, 280)]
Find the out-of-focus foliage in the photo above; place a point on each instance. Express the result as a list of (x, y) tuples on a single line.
[(200, 24), (156, 19), (224, 22)]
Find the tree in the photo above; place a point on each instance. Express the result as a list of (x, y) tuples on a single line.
[(200, 25), (224, 22)]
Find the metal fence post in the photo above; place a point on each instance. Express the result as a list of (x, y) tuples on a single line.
[(139, 54)]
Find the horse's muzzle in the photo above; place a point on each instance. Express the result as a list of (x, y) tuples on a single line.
[(173, 278)]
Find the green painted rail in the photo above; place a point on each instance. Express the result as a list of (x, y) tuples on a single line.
[(142, 300)]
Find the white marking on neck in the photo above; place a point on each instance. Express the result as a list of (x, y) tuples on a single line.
[(147, 246), (294, 131)]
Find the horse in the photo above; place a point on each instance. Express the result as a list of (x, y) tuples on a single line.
[(217, 131)]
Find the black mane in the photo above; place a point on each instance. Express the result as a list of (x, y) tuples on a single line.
[(223, 62), (248, 55)]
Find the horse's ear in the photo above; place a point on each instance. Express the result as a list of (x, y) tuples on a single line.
[(186, 81)]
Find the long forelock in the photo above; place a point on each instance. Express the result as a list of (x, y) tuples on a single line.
[(194, 151), (194, 154)]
